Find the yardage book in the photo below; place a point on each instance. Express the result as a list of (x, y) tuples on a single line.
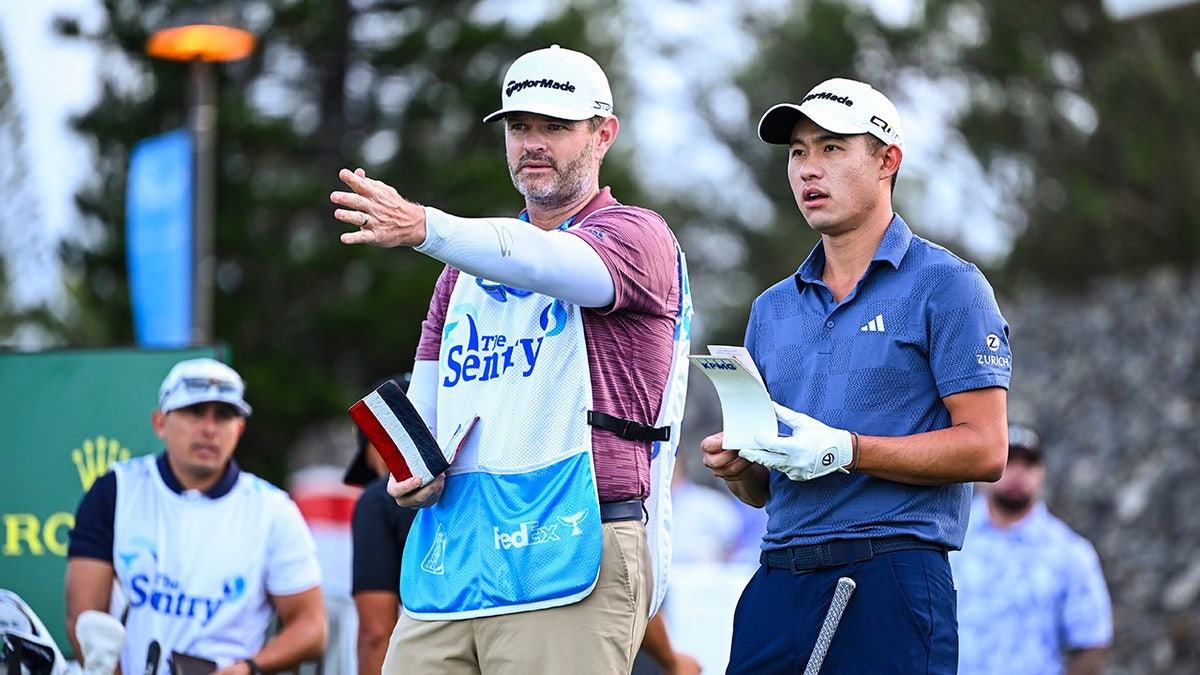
[(746, 408), (398, 433)]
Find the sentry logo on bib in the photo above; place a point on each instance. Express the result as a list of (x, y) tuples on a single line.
[(487, 357)]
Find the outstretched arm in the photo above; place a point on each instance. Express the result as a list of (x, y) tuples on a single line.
[(505, 250)]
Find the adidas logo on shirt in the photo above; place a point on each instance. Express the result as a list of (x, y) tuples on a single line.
[(874, 325)]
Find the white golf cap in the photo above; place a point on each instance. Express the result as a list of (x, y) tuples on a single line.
[(201, 381), (555, 82), (838, 105)]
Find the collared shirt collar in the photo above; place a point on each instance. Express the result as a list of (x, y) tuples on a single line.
[(222, 487), (602, 199), (891, 250)]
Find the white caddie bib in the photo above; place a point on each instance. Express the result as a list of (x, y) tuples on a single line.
[(180, 593), (663, 453), (518, 525)]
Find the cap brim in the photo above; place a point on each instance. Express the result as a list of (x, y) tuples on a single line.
[(561, 112), (1031, 453), (177, 402), (359, 473), (777, 124)]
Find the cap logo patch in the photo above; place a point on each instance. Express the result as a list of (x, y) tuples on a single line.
[(844, 100), (544, 83), (882, 124)]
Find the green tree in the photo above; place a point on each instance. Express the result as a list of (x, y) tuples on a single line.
[(1100, 115), (397, 88), (1080, 125)]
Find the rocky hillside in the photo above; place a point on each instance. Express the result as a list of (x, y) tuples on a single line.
[(1111, 377)]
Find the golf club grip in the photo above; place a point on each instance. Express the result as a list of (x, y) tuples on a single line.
[(153, 656), (841, 596)]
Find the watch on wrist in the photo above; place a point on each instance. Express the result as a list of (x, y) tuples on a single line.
[(254, 669)]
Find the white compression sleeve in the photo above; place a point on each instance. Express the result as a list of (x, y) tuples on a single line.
[(422, 391), (513, 252)]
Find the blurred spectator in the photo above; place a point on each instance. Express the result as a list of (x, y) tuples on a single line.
[(380, 528), (327, 504), (707, 574), (656, 646), (1031, 595), (707, 523)]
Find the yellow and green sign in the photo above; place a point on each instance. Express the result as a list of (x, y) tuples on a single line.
[(65, 416)]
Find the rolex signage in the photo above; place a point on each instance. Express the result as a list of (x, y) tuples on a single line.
[(66, 416)]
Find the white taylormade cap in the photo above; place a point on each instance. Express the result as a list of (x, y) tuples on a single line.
[(200, 381), (837, 105), (555, 82)]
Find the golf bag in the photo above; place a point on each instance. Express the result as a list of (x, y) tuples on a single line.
[(26, 647)]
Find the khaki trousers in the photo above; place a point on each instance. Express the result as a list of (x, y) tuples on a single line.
[(600, 634)]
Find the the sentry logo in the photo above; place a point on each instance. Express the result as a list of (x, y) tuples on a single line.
[(527, 534), (486, 357), (166, 596)]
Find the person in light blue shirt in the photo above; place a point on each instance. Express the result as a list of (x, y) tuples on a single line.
[(1031, 594), (888, 360)]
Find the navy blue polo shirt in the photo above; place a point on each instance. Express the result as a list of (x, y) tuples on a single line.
[(920, 325)]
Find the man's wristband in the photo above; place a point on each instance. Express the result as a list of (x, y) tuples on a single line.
[(254, 669), (856, 453)]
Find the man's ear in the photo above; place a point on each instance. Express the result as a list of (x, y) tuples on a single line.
[(158, 421), (892, 156), (606, 134)]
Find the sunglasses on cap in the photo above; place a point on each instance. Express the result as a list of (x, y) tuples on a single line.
[(197, 385)]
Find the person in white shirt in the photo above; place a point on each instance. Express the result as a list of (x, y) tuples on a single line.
[(205, 554)]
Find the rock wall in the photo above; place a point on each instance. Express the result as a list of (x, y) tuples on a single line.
[(1110, 376)]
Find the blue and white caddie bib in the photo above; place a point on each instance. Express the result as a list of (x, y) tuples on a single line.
[(518, 525)]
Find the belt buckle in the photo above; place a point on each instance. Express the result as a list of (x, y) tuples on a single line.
[(805, 564), (850, 551)]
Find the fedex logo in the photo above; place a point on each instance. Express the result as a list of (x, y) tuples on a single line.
[(527, 534)]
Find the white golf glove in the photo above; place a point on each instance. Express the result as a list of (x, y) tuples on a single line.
[(814, 449)]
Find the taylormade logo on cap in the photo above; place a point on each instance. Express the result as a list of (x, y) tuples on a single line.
[(555, 82), (514, 87), (838, 105)]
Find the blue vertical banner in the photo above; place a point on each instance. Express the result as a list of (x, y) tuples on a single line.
[(158, 239)]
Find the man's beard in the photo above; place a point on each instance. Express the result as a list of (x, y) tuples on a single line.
[(1013, 505), (564, 188)]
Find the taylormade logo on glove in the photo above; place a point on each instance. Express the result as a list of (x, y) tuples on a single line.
[(814, 449)]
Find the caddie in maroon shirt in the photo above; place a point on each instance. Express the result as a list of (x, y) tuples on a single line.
[(564, 332)]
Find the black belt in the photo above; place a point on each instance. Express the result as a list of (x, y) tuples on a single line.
[(804, 559), (627, 510)]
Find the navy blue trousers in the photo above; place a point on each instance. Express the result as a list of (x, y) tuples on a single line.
[(901, 619)]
